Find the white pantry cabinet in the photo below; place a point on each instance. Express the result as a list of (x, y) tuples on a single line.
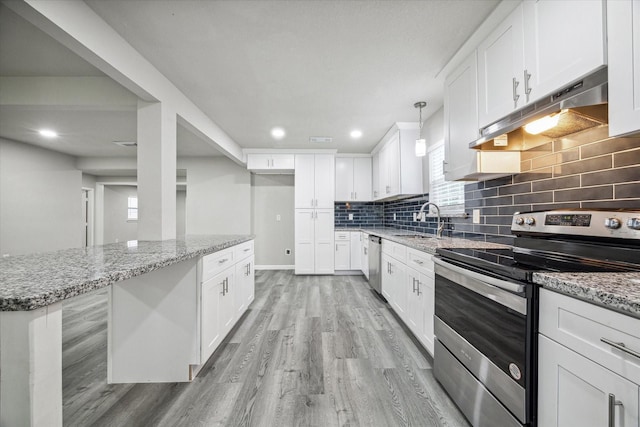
[(271, 163), (539, 48), (624, 66), (314, 182), (399, 170), (314, 241), (580, 376), (353, 179)]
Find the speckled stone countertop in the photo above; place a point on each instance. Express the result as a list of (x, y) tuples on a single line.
[(428, 244), (615, 291), (32, 281)]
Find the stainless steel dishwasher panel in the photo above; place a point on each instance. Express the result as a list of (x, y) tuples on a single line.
[(375, 275)]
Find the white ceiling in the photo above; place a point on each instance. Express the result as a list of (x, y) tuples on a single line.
[(316, 68)]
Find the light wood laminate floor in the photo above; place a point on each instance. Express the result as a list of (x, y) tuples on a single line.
[(310, 351)]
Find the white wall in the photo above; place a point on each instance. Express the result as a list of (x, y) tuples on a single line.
[(219, 199), (40, 200), (116, 226), (181, 217), (272, 195)]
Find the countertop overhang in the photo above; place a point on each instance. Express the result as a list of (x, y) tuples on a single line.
[(32, 281)]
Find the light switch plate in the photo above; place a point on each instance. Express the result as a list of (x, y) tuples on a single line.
[(476, 216), (278, 218), (350, 217)]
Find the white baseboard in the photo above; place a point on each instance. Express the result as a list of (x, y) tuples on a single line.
[(275, 267), (348, 273)]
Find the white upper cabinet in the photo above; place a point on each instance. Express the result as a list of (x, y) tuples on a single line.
[(564, 41), (353, 179), (461, 120), (271, 163), (314, 181), (624, 66), (375, 176), (539, 48), (399, 170), (500, 67)]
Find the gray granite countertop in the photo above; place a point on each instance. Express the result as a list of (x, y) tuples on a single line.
[(428, 244), (616, 291), (32, 281)]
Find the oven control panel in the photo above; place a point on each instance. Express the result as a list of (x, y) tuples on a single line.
[(624, 224)]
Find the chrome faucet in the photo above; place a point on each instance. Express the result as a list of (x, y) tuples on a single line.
[(422, 214)]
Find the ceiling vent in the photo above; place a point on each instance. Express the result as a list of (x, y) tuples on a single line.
[(126, 143), (320, 139)]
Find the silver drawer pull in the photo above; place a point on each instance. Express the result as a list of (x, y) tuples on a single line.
[(621, 346), (417, 261), (612, 409), (247, 250), (222, 261)]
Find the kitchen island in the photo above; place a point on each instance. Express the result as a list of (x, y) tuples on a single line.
[(155, 303)]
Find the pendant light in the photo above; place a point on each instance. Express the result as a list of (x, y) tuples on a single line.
[(421, 144)]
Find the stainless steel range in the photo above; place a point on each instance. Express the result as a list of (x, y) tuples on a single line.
[(486, 305)]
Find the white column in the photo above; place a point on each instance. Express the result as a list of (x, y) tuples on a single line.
[(31, 367), (156, 171)]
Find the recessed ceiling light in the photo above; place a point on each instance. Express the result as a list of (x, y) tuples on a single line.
[(356, 134), (278, 133), (48, 133)]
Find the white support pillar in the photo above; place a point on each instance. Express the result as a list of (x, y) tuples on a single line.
[(157, 130), (31, 367)]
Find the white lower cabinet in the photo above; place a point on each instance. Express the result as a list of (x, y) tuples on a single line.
[(226, 291), (343, 250), (314, 231), (582, 380), (408, 285), (365, 254), (355, 250)]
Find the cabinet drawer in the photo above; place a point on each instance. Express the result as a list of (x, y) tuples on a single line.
[(580, 326), (243, 250), (343, 235), (214, 263), (421, 261), (396, 250)]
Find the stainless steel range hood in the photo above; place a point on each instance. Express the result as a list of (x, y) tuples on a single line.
[(577, 107)]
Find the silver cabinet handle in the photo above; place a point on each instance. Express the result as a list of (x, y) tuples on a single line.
[(247, 249), (612, 409), (365, 251), (355, 195), (527, 88), (418, 287), (222, 261), (444, 168), (336, 247), (414, 284), (311, 202), (515, 92), (621, 346), (417, 261)]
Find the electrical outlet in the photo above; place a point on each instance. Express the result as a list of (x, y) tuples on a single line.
[(394, 217), (350, 217), (287, 251), (415, 216), (278, 218), (476, 216)]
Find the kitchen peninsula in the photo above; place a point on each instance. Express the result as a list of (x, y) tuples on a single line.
[(166, 316)]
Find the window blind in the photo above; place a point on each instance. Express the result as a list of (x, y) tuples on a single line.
[(449, 196)]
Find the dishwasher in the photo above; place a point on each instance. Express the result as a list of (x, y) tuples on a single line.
[(375, 276)]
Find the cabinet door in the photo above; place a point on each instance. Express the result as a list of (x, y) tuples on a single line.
[(228, 302), (365, 256), (258, 161), (387, 282), (393, 164), (324, 241), (355, 250), (210, 329), (624, 66), (427, 289), (324, 178), (461, 120), (574, 391), (304, 181), (398, 274), (414, 302), (342, 259), (563, 42), (375, 176), (500, 67), (305, 241), (282, 161), (344, 179), (362, 179), (245, 279)]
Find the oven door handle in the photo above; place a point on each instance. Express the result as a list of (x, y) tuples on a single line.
[(497, 290)]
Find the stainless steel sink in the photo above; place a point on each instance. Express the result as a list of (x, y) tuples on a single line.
[(414, 236)]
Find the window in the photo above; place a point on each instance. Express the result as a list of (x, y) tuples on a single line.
[(132, 209), (449, 196)]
